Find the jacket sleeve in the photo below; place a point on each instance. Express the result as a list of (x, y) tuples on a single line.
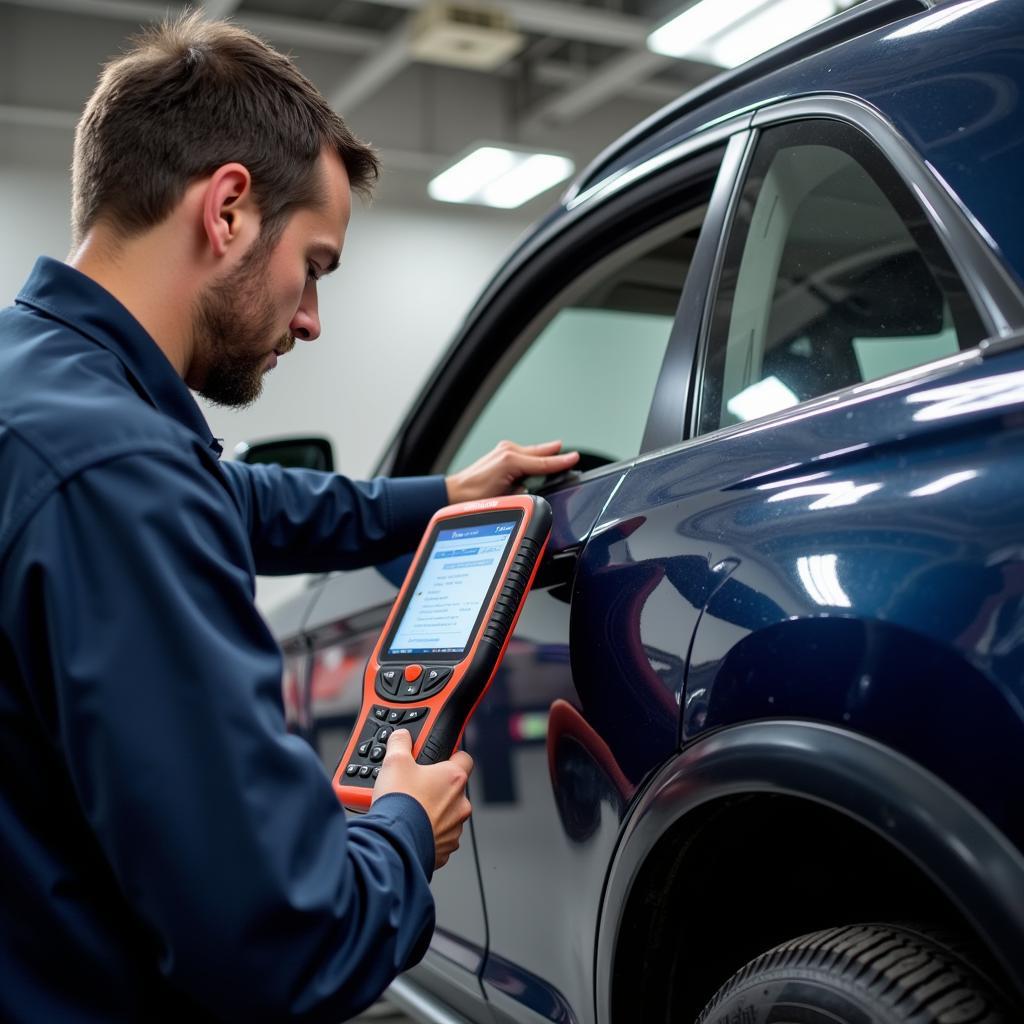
[(221, 829), (301, 520)]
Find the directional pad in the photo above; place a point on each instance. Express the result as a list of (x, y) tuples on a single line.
[(406, 683)]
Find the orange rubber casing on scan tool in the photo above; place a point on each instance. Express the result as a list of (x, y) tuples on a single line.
[(443, 710)]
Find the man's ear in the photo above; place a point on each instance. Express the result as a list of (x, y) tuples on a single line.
[(229, 212)]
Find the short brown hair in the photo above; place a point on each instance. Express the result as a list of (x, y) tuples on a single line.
[(191, 96)]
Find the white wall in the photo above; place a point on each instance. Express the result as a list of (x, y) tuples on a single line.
[(407, 277)]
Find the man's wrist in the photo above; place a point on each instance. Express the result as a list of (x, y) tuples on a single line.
[(458, 491)]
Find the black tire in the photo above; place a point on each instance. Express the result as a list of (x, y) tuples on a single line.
[(857, 974)]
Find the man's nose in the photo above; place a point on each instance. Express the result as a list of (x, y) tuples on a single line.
[(306, 322)]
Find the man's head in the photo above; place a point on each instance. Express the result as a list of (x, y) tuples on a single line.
[(207, 104)]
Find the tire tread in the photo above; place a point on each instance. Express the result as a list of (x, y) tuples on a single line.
[(920, 979)]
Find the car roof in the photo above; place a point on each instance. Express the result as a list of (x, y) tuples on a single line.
[(946, 75), (692, 109)]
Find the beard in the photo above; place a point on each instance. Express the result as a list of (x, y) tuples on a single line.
[(231, 327)]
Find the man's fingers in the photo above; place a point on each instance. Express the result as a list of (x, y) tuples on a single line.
[(544, 448), (542, 465)]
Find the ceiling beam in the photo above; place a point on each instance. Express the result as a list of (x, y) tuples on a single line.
[(385, 62), (622, 75), (315, 35), (282, 31), (565, 77), (320, 36), (613, 78), (125, 10), (385, 56), (566, 21)]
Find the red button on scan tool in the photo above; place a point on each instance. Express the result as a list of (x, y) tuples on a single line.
[(413, 672)]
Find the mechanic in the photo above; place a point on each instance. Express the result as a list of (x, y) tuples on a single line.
[(170, 851)]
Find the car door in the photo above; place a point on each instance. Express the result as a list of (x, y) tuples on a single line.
[(575, 344)]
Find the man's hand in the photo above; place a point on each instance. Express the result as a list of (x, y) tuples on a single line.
[(439, 788), (498, 472)]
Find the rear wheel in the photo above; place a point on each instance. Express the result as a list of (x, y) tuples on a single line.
[(858, 974)]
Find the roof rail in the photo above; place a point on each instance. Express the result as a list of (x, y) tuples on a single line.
[(865, 17)]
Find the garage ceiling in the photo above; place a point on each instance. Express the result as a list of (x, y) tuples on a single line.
[(579, 76)]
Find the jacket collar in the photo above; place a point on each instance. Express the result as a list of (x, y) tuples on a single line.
[(61, 292)]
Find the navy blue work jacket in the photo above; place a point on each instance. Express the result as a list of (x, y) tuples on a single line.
[(169, 852)]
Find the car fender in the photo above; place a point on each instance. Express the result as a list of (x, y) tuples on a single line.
[(945, 836)]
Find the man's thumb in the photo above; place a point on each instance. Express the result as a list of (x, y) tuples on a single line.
[(400, 740)]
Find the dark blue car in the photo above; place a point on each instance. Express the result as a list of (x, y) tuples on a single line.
[(756, 752)]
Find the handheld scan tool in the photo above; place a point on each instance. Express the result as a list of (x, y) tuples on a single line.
[(446, 634)]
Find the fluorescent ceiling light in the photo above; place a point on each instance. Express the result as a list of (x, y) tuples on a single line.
[(496, 176), (760, 399), (769, 27), (731, 33), (534, 175), (463, 179), (687, 33)]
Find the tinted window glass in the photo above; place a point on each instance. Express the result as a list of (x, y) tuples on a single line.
[(832, 277), (585, 371)]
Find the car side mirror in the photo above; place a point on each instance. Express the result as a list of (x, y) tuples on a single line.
[(290, 452)]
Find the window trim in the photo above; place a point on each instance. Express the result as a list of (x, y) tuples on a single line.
[(676, 390)]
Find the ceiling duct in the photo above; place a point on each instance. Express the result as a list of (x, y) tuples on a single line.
[(465, 35)]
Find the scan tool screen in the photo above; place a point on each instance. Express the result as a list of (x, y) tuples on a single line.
[(445, 603)]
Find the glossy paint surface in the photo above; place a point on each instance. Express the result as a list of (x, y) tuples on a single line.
[(857, 562)]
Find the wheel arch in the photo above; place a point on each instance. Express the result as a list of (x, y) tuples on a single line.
[(878, 808)]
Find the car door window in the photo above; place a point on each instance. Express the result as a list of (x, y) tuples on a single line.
[(584, 371), (832, 276)]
